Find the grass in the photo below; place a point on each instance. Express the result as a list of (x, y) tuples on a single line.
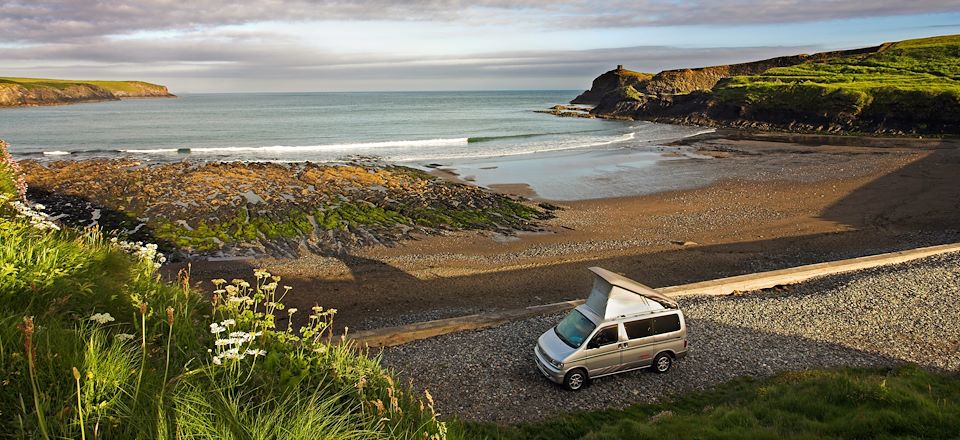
[(95, 345), (61, 84), (920, 78), (846, 403)]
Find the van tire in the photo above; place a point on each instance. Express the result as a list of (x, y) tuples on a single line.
[(575, 379), (662, 363)]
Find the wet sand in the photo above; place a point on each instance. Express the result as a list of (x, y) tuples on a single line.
[(768, 203)]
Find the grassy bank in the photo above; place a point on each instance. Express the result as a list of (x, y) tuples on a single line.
[(905, 77), (94, 345), (868, 404)]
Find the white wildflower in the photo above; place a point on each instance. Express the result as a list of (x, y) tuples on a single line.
[(101, 318), (124, 336)]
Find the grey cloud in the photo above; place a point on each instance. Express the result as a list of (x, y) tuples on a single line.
[(59, 20), (271, 66)]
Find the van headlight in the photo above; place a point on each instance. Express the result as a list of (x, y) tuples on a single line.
[(557, 364)]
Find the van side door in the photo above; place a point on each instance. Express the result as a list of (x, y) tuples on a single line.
[(638, 348), (602, 353)]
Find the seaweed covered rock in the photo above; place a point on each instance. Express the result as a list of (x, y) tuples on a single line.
[(243, 209)]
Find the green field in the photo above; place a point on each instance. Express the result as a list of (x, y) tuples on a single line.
[(921, 77), (831, 404)]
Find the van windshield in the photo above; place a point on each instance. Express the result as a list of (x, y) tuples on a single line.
[(574, 329)]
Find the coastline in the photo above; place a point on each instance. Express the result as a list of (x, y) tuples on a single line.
[(796, 204), (746, 202)]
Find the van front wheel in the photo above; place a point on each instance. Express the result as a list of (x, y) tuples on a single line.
[(662, 363), (575, 380)]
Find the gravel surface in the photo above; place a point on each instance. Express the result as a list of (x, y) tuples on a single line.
[(877, 317)]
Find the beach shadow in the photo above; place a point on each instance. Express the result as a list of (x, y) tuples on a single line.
[(920, 196)]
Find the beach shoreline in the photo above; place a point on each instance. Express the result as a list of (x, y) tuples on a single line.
[(708, 206), (790, 204)]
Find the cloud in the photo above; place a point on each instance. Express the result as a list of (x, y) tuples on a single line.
[(272, 65), (63, 20)]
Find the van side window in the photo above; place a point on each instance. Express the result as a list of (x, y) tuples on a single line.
[(639, 329), (605, 336), (667, 324)]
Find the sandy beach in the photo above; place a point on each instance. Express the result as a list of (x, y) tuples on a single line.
[(759, 202)]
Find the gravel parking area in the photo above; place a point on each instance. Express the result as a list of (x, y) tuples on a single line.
[(878, 317)]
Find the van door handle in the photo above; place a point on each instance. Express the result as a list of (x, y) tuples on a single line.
[(623, 345)]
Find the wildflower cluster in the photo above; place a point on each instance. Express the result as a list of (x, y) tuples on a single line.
[(102, 318), (143, 251), (287, 358), (7, 161), (32, 212), (237, 345)]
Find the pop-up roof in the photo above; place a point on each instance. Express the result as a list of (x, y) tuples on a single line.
[(615, 295)]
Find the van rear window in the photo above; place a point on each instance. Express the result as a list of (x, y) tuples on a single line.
[(667, 323)]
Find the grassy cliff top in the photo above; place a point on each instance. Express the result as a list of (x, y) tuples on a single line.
[(922, 67), (112, 86), (635, 74)]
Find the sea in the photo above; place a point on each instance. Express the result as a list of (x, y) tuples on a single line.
[(401, 127)]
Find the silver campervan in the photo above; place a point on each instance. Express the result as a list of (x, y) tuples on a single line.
[(623, 326)]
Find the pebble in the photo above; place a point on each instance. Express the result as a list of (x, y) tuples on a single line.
[(879, 317)]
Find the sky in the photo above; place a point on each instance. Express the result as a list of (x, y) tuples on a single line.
[(203, 46)]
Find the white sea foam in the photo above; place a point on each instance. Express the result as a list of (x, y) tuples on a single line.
[(440, 148), (336, 147), (56, 153), (151, 151)]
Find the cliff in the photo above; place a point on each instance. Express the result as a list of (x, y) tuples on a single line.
[(18, 92), (910, 86), (617, 82)]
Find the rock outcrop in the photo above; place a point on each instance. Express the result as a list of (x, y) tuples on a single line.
[(284, 210)]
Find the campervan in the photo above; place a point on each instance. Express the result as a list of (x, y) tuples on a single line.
[(623, 326)]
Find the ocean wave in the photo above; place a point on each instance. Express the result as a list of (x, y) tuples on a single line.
[(441, 142), (56, 153), (150, 150), (545, 147), (478, 139)]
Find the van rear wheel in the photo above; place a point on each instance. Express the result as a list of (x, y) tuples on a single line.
[(662, 363), (575, 380)]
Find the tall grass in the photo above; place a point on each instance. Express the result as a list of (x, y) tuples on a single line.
[(94, 344)]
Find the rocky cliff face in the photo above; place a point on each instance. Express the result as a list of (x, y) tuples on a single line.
[(28, 93), (17, 95), (138, 89)]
